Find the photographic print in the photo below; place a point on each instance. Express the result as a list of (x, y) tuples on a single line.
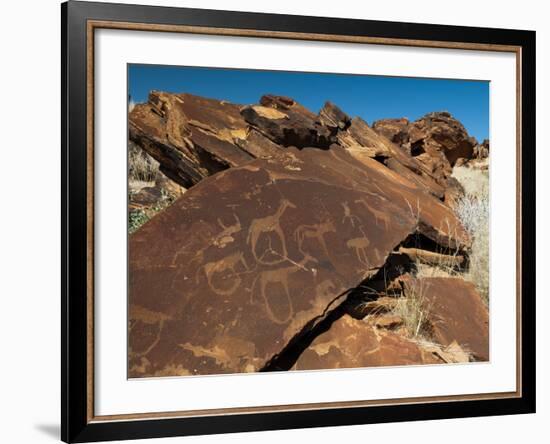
[(290, 221), (276, 222)]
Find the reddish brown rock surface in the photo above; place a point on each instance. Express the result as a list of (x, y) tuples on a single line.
[(394, 130), (440, 134), (241, 262), (291, 125), (481, 151), (352, 343), (149, 196), (333, 117), (454, 192), (288, 215), (389, 322), (363, 142), (191, 137), (436, 140), (457, 314)]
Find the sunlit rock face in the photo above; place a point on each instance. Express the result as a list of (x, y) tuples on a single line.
[(291, 221)]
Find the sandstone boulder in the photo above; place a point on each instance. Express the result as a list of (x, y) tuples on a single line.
[(287, 123), (194, 137), (481, 151), (333, 117), (148, 196), (437, 140), (283, 241), (389, 322), (191, 137), (363, 142), (454, 192), (352, 343), (257, 255), (145, 198), (456, 313), (394, 130)]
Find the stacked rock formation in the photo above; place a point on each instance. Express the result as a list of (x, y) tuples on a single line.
[(294, 227)]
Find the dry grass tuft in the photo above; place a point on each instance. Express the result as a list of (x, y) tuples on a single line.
[(473, 211), (475, 181), (141, 166), (143, 172), (414, 310), (135, 186), (431, 271)]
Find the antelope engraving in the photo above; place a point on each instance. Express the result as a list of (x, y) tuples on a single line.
[(148, 317), (316, 231), (269, 224), (360, 244), (226, 235), (227, 264), (378, 215), (278, 276)]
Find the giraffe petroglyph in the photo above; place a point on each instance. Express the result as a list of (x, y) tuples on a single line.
[(269, 224)]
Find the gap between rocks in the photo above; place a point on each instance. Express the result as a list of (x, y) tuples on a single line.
[(399, 262)]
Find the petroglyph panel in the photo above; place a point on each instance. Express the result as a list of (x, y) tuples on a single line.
[(225, 277)]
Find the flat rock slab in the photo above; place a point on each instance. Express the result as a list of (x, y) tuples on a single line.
[(394, 130), (456, 313), (194, 137), (221, 280), (364, 142), (352, 343), (191, 137)]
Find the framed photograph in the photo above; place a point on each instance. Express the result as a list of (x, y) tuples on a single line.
[(275, 221)]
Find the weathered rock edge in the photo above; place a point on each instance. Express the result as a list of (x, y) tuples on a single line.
[(249, 290), (214, 289)]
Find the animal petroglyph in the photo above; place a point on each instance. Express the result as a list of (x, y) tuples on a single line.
[(225, 269), (348, 216), (378, 214), (315, 231), (273, 261), (226, 236), (360, 244), (269, 224), (154, 343), (278, 277)]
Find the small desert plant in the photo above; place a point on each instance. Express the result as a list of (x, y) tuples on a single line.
[(473, 211), (139, 217), (414, 309), (136, 219), (141, 166)]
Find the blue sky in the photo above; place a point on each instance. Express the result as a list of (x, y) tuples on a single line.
[(370, 97)]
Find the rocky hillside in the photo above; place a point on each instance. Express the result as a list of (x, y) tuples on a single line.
[(299, 241)]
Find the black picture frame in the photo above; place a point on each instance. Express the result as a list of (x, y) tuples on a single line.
[(76, 328)]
